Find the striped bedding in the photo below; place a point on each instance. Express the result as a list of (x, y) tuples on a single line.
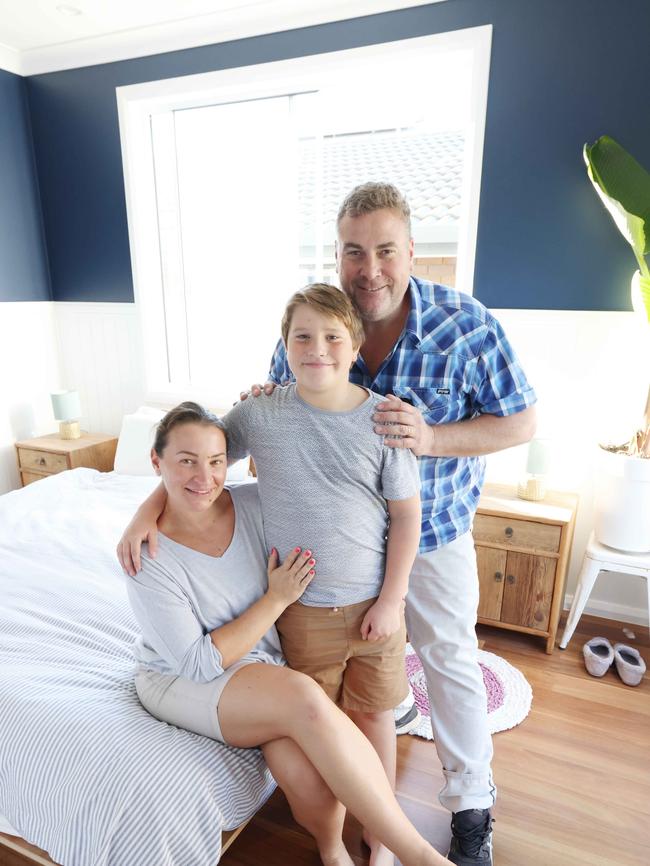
[(85, 772)]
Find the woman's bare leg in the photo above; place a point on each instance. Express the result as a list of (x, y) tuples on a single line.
[(379, 728), (312, 803), (264, 702)]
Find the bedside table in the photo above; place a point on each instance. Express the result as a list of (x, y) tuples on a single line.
[(522, 554), (47, 455)]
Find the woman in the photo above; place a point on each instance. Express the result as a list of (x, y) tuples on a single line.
[(209, 656)]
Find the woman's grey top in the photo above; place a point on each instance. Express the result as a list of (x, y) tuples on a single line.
[(182, 595)]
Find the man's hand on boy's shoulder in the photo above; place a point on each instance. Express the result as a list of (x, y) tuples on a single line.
[(257, 390), (403, 426)]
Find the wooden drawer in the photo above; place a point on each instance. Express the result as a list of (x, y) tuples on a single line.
[(512, 532), (30, 477), (42, 461)]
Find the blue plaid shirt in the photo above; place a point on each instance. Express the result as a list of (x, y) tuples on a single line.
[(452, 361)]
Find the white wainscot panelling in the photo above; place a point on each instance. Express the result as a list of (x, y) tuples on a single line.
[(100, 356), (590, 371), (29, 372)]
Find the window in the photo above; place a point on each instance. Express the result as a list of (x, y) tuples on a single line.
[(234, 180)]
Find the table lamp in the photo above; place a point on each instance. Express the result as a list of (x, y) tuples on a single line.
[(67, 411), (533, 485)]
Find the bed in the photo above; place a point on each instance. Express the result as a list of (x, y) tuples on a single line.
[(86, 774)]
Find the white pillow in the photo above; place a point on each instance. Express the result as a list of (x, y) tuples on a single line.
[(151, 411), (133, 455)]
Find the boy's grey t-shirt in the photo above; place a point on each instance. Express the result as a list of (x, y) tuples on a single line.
[(182, 595), (323, 479)]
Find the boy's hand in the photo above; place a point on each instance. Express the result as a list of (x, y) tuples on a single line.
[(256, 390), (130, 544), (288, 581), (382, 620)]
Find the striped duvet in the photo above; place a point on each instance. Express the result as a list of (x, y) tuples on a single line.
[(85, 772)]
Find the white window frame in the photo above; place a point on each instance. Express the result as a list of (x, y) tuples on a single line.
[(137, 104)]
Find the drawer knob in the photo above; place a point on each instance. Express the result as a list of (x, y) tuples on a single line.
[(498, 576), (509, 531), (41, 461), (511, 578)]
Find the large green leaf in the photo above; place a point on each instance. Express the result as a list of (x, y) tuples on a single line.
[(624, 187), (641, 295)]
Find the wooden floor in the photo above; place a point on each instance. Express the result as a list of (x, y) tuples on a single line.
[(573, 778)]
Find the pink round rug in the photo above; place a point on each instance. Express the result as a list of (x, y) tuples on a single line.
[(509, 694)]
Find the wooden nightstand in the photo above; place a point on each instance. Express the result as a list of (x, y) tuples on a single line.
[(47, 455), (522, 553)]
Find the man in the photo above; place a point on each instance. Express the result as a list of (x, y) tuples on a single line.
[(457, 393)]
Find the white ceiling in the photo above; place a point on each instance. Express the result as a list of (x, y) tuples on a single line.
[(45, 35)]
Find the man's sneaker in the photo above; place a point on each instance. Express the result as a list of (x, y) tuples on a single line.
[(408, 721), (471, 838)]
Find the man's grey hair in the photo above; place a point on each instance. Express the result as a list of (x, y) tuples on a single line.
[(369, 197)]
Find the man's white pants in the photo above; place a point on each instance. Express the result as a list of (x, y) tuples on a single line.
[(441, 610)]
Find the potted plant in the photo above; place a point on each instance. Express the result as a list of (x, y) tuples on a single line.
[(623, 495)]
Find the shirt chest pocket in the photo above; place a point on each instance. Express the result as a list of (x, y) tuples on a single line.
[(441, 401)]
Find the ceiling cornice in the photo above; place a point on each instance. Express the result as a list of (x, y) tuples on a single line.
[(10, 59), (273, 16)]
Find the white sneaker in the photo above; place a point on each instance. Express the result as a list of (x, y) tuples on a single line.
[(406, 721)]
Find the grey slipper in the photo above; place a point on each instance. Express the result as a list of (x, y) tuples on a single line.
[(599, 655), (629, 664)]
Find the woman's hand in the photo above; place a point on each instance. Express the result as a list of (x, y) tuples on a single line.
[(139, 530), (257, 390), (382, 620), (288, 581)]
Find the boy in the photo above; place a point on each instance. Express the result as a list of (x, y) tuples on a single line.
[(325, 476)]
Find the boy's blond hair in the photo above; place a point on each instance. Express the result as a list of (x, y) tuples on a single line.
[(329, 301)]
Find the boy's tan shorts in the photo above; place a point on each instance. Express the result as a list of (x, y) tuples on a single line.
[(326, 644)]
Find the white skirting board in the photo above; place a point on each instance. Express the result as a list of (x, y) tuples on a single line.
[(612, 610)]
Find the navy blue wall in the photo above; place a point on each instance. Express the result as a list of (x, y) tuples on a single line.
[(23, 262), (562, 73)]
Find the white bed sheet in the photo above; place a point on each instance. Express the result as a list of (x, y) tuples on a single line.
[(85, 772), (5, 827)]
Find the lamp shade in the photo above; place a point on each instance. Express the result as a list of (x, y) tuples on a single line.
[(66, 405), (539, 457)]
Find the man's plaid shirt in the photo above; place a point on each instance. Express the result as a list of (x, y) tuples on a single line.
[(452, 361)]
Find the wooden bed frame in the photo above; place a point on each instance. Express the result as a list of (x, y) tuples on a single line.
[(14, 851)]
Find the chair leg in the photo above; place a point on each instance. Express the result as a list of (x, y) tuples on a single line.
[(586, 579)]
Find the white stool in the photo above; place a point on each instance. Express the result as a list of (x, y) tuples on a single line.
[(600, 558)]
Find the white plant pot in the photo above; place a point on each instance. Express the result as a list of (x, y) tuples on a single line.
[(623, 502)]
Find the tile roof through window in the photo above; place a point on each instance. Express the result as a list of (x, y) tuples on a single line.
[(426, 167)]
